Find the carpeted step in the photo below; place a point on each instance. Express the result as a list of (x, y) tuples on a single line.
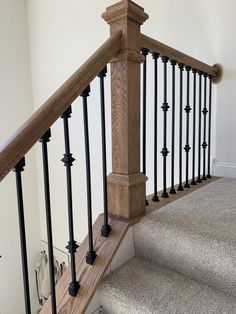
[(195, 236), (140, 286)]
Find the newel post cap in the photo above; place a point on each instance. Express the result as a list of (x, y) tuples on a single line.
[(125, 9)]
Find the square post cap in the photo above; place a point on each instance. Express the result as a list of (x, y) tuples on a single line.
[(125, 9)]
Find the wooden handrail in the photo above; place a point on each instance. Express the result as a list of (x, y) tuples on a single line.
[(173, 54), (30, 132)]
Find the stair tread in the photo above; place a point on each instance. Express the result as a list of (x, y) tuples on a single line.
[(209, 211), (195, 235), (140, 286)]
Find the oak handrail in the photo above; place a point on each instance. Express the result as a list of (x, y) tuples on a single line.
[(13, 150), (173, 54)]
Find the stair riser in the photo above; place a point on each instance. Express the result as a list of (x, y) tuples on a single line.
[(142, 287), (199, 258)]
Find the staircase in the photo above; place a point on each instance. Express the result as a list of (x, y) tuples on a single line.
[(185, 251), (185, 258)]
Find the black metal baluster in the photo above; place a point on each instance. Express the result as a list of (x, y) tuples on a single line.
[(44, 140), (209, 128), (68, 162), (172, 190), (193, 182), (144, 52), (204, 111), (155, 197), (18, 169), (199, 127), (181, 68), (106, 228), (165, 108), (187, 146), (91, 255)]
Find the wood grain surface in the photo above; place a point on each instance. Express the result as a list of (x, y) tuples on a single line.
[(126, 185), (88, 276), (30, 132), (173, 54)]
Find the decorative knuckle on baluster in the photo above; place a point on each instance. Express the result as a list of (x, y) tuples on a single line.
[(173, 62), (204, 145), (165, 152), (165, 106), (205, 111), (72, 247), (187, 148), (68, 160), (187, 109)]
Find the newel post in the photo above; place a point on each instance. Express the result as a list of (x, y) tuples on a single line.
[(126, 184)]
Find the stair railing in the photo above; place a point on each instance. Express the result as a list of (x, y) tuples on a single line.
[(190, 67), (38, 128), (125, 188)]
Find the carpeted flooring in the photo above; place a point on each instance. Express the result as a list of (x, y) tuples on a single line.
[(186, 258)]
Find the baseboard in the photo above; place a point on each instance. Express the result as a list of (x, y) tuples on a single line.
[(225, 170)]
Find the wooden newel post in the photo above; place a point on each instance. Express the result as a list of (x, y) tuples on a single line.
[(126, 185)]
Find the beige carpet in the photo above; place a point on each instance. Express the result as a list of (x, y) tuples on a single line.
[(142, 287), (187, 258), (195, 236)]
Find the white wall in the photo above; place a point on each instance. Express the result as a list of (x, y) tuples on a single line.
[(16, 106), (225, 51)]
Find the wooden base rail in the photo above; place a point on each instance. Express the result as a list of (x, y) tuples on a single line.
[(14, 149), (154, 46), (89, 276)]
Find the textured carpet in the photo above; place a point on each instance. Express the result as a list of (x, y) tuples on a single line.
[(142, 287), (195, 235), (186, 258)]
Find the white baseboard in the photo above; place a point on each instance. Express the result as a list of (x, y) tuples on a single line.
[(225, 170)]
